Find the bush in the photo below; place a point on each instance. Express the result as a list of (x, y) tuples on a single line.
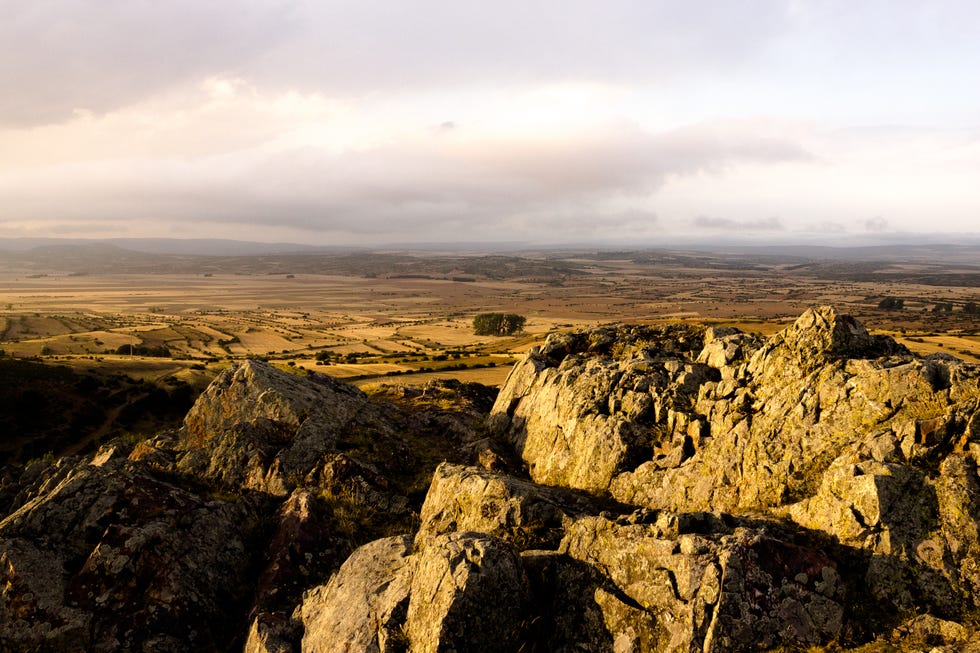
[(498, 324)]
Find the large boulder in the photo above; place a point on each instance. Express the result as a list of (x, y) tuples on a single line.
[(699, 585), (463, 592)]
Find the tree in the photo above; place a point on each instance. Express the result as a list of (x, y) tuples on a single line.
[(498, 324), (971, 308), (892, 303)]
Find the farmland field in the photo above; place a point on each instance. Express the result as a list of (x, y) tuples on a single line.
[(370, 325)]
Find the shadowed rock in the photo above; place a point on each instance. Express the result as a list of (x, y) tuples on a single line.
[(110, 558)]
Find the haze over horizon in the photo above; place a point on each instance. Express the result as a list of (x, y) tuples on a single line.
[(373, 122)]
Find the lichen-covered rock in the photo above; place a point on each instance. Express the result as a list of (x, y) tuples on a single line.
[(302, 552), (838, 429), (769, 435), (471, 499), (890, 511), (268, 635), (363, 607), (469, 593), (111, 558), (712, 590), (927, 632), (585, 407), (259, 428), (725, 348)]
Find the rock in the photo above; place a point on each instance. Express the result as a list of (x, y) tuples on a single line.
[(364, 606), (819, 335), (727, 347), (269, 635), (303, 552), (958, 498), (838, 429), (343, 477), (471, 499), (928, 631), (469, 593), (111, 558), (259, 428), (713, 590), (33, 609), (585, 407), (771, 438)]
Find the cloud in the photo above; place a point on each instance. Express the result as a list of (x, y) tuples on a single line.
[(243, 158), (62, 55), (727, 224)]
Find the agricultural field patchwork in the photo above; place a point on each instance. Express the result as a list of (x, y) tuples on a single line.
[(410, 318)]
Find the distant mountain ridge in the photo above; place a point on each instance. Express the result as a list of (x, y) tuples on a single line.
[(966, 250), (179, 246)]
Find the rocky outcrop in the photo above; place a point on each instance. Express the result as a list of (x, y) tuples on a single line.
[(641, 580), (841, 431), (584, 408), (632, 489), (258, 428)]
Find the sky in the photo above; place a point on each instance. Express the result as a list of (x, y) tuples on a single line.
[(423, 121)]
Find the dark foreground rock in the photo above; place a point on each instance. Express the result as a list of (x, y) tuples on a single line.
[(631, 489), (108, 558)]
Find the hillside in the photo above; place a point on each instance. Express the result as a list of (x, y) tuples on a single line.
[(629, 488)]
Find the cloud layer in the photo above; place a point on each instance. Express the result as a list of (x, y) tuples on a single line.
[(356, 122)]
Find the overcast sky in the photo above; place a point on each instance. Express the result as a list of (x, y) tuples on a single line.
[(363, 121)]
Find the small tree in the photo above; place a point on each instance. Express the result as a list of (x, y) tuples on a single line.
[(498, 324), (971, 308)]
